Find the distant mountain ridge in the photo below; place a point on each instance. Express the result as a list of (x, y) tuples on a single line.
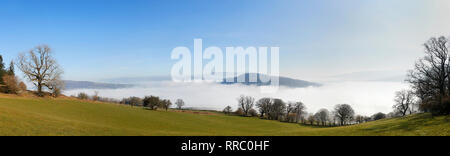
[(71, 85), (138, 79), (283, 81)]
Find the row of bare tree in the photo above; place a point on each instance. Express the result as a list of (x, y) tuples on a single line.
[(295, 112), (149, 102), (430, 83)]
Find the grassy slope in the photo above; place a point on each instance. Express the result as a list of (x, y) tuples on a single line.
[(37, 116)]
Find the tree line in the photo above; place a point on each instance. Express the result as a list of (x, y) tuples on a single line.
[(149, 102), (295, 112)]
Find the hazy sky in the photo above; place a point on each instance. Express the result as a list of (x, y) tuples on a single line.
[(98, 39)]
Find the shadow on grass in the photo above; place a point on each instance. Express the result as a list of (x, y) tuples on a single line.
[(408, 123), (317, 126)]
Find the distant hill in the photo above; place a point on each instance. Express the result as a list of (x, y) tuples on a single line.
[(283, 81), (138, 79), (71, 85)]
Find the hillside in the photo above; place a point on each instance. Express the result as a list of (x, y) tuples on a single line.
[(66, 116)]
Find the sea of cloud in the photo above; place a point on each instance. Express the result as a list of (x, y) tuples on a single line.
[(366, 97)]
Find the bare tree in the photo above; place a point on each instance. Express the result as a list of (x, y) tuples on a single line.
[(344, 113), (246, 103), (430, 77), (241, 103), (135, 101), (227, 110), (299, 110), (132, 101), (311, 119), (359, 119), (165, 104), (56, 86), (323, 116), (39, 67), (304, 117), (263, 106), (277, 109), (96, 97), (180, 103), (403, 101), (333, 118), (289, 109)]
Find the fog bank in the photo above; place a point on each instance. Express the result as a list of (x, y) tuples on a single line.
[(366, 97)]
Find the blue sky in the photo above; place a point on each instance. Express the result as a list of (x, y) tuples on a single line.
[(99, 39)]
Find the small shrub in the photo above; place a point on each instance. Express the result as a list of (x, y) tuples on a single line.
[(56, 92), (239, 112), (96, 97), (252, 112), (11, 84), (291, 117), (165, 104), (227, 110), (152, 102), (436, 107), (82, 96), (22, 86), (379, 116)]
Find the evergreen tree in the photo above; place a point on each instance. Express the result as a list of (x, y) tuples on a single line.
[(2, 69), (11, 69)]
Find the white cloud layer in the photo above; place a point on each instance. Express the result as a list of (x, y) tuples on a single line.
[(365, 97)]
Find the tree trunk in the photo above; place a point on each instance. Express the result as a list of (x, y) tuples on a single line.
[(39, 89)]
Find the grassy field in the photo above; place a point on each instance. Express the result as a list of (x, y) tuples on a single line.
[(65, 116)]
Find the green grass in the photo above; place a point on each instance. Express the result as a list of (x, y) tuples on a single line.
[(39, 116)]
